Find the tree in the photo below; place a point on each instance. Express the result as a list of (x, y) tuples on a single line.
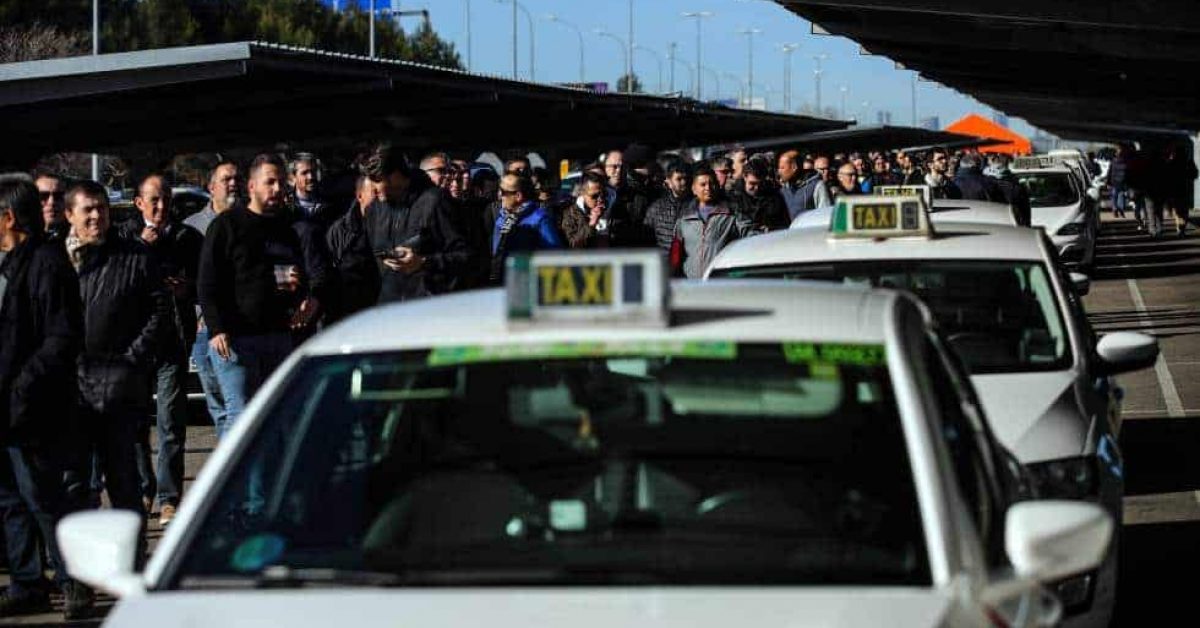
[(39, 41), (623, 84)]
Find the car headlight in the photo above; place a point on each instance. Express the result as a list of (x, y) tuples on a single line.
[(1071, 229), (1066, 478)]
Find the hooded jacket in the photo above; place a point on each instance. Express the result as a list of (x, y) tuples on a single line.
[(698, 240), (41, 332)]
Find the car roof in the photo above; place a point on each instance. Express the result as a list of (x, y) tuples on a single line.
[(953, 240), (744, 311), (1063, 168), (944, 210)]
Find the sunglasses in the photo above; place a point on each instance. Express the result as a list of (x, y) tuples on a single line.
[(45, 196), (504, 192)]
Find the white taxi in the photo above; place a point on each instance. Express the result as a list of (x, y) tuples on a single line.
[(941, 209), (1015, 319), (597, 447), (1059, 204)]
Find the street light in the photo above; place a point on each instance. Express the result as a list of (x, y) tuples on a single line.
[(624, 50), (788, 49), (554, 18), (529, 19), (699, 17), (767, 91), (467, 3), (716, 78), (737, 80), (691, 70), (817, 75), (844, 90), (657, 58), (750, 33)]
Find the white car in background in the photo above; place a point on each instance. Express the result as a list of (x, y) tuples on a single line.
[(1059, 204), (944, 210), (1014, 317), (598, 447)]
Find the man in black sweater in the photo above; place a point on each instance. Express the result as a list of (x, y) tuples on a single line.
[(412, 232), (252, 292)]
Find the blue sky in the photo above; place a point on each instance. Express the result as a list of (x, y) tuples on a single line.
[(872, 83)]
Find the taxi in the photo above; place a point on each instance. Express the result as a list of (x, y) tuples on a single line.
[(1015, 318), (1059, 203), (940, 209), (596, 446)]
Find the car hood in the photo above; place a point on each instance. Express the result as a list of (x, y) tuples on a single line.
[(1053, 218), (1035, 415), (520, 608)]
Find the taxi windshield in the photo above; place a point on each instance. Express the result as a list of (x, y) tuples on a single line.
[(575, 463), (1049, 189), (1001, 317)]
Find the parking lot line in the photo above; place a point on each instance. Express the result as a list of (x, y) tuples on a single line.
[(1165, 382)]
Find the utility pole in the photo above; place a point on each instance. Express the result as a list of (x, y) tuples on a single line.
[(629, 53), (514, 40), (844, 90), (671, 57), (817, 75), (371, 30), (470, 64), (787, 49), (95, 52), (749, 33), (699, 17)]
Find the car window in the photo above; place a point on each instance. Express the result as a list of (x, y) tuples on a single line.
[(1049, 189), (1001, 317), (569, 463)]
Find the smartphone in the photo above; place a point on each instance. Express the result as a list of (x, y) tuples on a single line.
[(386, 254)]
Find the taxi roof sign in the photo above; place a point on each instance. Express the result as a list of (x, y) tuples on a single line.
[(565, 287), (877, 216), (1037, 162), (923, 191)]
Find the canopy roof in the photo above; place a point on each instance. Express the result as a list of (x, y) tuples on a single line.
[(866, 138), (251, 94), (1085, 69)]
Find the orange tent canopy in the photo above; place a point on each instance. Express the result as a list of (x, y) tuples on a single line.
[(975, 124)]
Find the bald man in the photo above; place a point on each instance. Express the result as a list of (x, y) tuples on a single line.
[(801, 191)]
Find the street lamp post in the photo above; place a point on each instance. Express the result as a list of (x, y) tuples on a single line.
[(691, 73), (470, 65), (737, 80), (749, 33), (625, 51), (629, 52), (817, 75), (844, 90), (699, 17), (95, 51), (671, 62), (658, 59), (554, 18), (914, 99), (529, 18), (716, 77), (787, 49)]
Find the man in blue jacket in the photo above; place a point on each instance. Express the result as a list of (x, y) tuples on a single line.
[(523, 224)]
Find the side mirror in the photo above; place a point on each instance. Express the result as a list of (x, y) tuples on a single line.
[(1048, 540), (1082, 283), (1125, 351), (99, 548)]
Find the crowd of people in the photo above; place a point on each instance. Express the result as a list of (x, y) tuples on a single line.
[(1152, 183), (99, 320)]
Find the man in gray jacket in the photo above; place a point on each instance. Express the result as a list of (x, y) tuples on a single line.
[(706, 226)]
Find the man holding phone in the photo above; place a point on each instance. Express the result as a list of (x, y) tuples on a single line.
[(412, 231), (251, 289)]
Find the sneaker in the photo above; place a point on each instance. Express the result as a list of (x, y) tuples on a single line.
[(166, 514), (78, 601), (29, 602)]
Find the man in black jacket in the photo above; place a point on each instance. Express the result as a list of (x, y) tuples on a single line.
[(757, 200), (973, 185), (412, 231), (41, 328), (125, 314), (665, 212), (311, 218), (175, 248), (251, 287), (351, 252)]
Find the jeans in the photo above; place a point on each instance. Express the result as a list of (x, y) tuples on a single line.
[(251, 361), (171, 421), (1118, 201), (31, 503), (208, 381), (111, 452), (1154, 216)]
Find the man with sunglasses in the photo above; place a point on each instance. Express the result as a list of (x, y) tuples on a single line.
[(523, 224), (50, 190)]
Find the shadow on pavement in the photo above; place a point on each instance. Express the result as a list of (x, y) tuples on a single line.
[(1161, 456), (1155, 573)]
